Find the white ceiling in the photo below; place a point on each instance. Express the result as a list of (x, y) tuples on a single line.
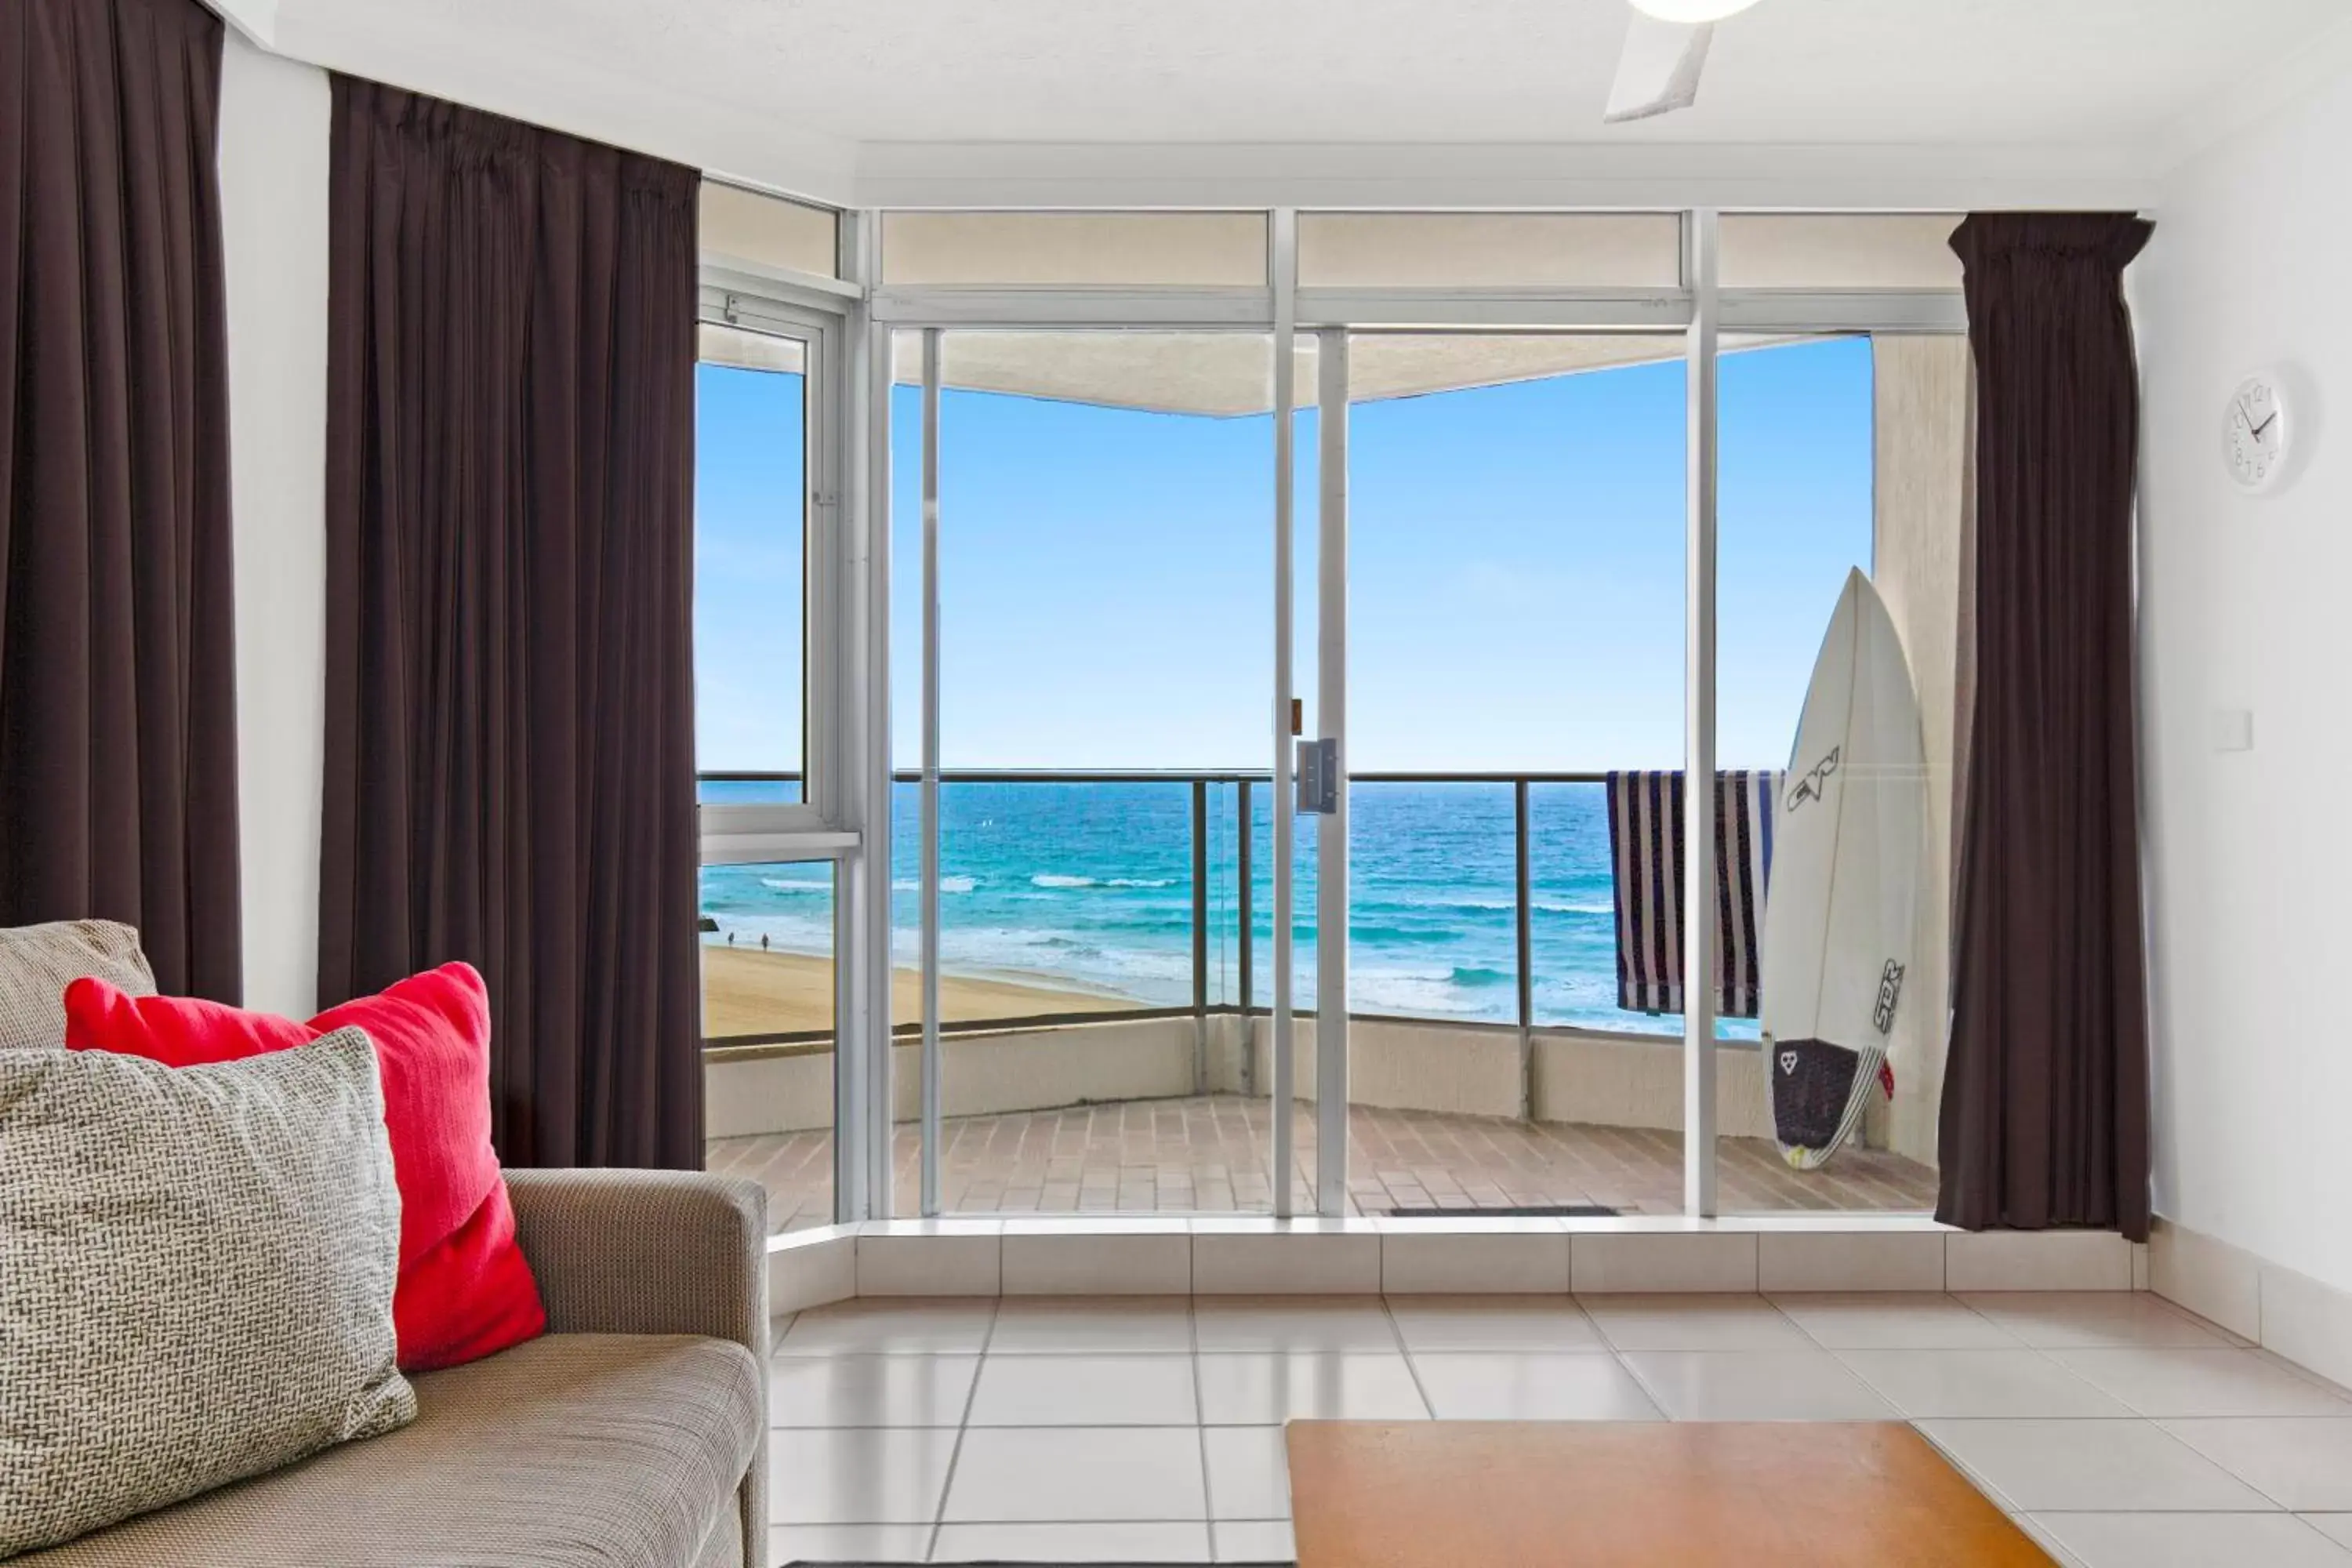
[(803, 82)]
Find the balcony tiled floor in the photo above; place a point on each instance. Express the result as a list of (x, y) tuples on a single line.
[(1209, 1155), (1139, 1430)]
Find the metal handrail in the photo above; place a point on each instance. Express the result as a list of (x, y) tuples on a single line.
[(1172, 776), (1244, 780)]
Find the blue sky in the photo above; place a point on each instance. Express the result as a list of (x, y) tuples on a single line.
[(748, 510), (1517, 570)]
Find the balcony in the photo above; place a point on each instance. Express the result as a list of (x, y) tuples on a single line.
[(1105, 942)]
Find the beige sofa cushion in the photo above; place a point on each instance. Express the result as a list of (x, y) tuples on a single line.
[(569, 1451), (197, 1269), (37, 963)]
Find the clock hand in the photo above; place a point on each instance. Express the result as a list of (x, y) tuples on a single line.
[(2265, 425)]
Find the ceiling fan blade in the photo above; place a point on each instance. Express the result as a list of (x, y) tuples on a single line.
[(1657, 73)]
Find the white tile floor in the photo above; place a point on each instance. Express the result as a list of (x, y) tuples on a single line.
[(2122, 1432)]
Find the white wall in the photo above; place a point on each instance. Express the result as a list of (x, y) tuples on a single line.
[(273, 173), (2243, 607)]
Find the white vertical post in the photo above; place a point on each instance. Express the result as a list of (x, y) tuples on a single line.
[(1331, 724), (930, 810), (861, 1094), (848, 909), (1700, 937), (1285, 282)]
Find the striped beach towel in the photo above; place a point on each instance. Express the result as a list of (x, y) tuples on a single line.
[(1645, 849)]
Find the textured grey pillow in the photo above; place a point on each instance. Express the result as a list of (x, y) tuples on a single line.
[(37, 963), (196, 1268)]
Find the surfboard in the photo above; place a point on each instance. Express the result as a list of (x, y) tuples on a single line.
[(1841, 913)]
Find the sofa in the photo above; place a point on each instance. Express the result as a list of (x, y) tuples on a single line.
[(632, 1434)]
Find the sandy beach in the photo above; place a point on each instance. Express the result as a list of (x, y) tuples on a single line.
[(747, 992)]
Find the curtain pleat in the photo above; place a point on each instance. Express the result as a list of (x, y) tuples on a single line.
[(510, 773), (118, 718), (2046, 1111)]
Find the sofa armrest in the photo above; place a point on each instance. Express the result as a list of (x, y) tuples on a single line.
[(656, 1252), (646, 1252)]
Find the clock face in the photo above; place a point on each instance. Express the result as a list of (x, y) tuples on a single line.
[(2253, 432)]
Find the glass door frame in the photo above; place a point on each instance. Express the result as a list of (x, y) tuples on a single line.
[(1698, 308)]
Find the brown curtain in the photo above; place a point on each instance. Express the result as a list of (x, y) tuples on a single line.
[(118, 702), (510, 770), (2045, 1114)]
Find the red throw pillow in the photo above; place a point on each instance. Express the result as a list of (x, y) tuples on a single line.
[(465, 1290)]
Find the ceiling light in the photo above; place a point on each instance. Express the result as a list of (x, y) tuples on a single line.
[(1691, 10)]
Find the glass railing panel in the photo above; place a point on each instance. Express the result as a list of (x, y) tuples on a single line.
[(1572, 915), (1056, 898), (1432, 902)]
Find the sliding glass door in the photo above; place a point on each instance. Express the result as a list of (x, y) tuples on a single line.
[(1515, 507), (1080, 661)]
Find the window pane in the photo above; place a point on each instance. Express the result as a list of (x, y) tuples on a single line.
[(1837, 250), (1516, 552), (1104, 515), (750, 542), (1516, 528), (1805, 505), (1135, 249), (768, 1021), (1490, 251), (754, 227), (1793, 518)]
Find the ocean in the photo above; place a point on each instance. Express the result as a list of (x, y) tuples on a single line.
[(1088, 886)]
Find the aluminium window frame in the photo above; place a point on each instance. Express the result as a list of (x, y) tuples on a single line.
[(813, 826), (826, 824)]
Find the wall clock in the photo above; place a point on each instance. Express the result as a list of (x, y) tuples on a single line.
[(2256, 431)]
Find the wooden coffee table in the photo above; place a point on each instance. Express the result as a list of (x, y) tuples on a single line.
[(1606, 1494)]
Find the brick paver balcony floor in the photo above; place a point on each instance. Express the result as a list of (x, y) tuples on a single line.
[(1208, 1154)]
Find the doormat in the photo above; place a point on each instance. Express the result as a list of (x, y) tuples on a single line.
[(1525, 1211)]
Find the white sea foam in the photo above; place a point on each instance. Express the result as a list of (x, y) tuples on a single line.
[(947, 884), (1544, 906), (1415, 993)]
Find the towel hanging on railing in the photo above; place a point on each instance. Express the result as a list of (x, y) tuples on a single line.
[(1645, 853)]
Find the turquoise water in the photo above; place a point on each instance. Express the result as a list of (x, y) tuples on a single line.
[(1090, 885)]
